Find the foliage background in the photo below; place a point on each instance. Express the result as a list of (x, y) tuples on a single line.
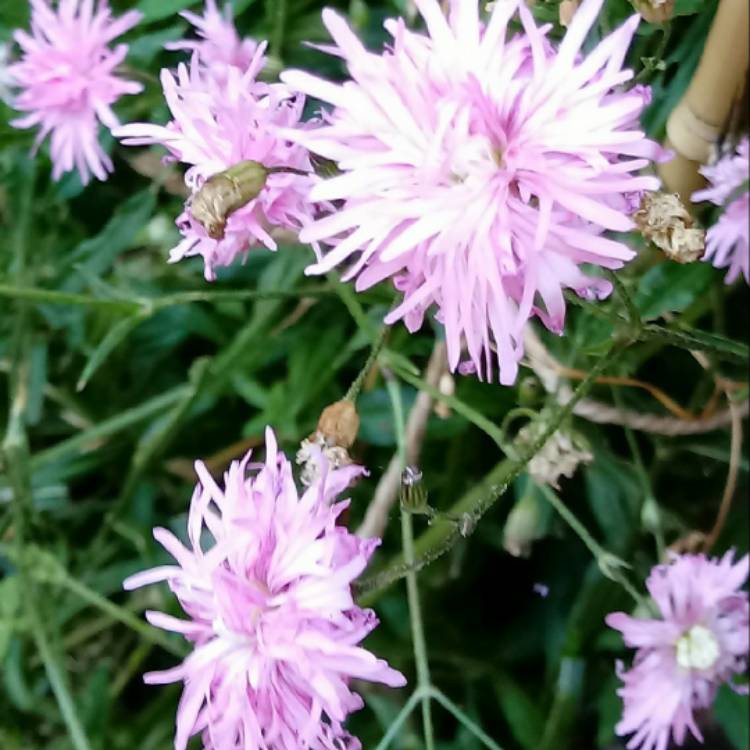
[(128, 369)]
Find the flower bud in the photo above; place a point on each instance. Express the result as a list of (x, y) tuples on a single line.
[(567, 10), (339, 423), (528, 521), (223, 193), (655, 11)]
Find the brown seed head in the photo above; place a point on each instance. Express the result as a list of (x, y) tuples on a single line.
[(339, 423)]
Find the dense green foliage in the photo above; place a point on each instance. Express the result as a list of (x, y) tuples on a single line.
[(118, 370)]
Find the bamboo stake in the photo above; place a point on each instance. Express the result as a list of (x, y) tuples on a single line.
[(698, 121)]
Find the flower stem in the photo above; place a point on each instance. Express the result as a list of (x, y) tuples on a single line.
[(356, 386), (15, 454), (476, 730), (441, 536), (412, 589)]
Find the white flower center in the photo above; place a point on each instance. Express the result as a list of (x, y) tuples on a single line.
[(698, 648)]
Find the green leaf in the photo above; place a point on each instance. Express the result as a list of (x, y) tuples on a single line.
[(155, 10), (97, 254), (146, 47), (115, 336), (524, 715), (730, 711), (671, 287)]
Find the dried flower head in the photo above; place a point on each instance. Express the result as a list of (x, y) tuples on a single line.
[(270, 610), (67, 81), (699, 642), (479, 170), (728, 240), (222, 123), (663, 219), (560, 456)]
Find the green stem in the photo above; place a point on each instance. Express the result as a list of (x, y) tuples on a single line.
[(55, 675), (412, 588), (147, 305), (471, 414), (120, 614), (17, 463), (441, 536), (476, 730), (355, 388), (398, 722), (278, 9), (68, 448), (697, 340), (634, 316)]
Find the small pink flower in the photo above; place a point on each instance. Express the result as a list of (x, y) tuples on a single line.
[(728, 241), (270, 609), (67, 81), (480, 169), (219, 43), (700, 641), (219, 121)]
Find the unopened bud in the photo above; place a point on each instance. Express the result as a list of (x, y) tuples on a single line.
[(655, 11), (528, 521), (663, 219), (567, 10), (413, 495), (224, 193), (339, 423)]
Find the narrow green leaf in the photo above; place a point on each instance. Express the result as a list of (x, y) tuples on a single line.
[(115, 336)]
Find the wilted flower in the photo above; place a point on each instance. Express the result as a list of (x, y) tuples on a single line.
[(479, 170), (560, 455), (270, 609), (700, 641), (67, 81), (664, 220), (218, 44), (728, 241), (218, 122)]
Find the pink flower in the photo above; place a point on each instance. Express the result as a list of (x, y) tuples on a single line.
[(700, 641), (728, 241), (479, 170), (218, 121), (219, 43), (270, 609), (67, 81)]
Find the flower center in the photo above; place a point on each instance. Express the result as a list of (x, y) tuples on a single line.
[(697, 649)]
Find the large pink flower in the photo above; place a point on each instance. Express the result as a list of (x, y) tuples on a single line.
[(219, 121), (479, 169), (218, 43), (700, 641), (728, 241), (67, 81), (270, 609)]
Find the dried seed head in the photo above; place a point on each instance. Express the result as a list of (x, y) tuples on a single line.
[(663, 219), (223, 193), (560, 456), (339, 424), (308, 457), (655, 11)]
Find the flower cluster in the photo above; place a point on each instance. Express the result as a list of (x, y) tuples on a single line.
[(728, 241), (479, 170), (270, 609), (700, 641), (68, 82), (222, 116)]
